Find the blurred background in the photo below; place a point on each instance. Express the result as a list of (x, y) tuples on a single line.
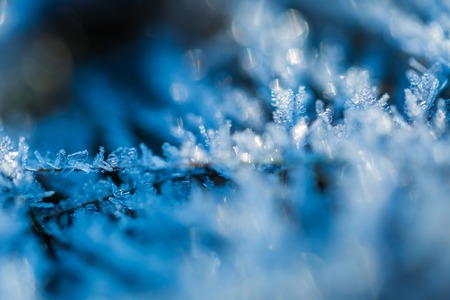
[(77, 74), (57, 57)]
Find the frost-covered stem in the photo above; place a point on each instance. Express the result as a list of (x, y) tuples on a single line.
[(43, 235), (192, 169), (51, 242), (72, 169), (116, 169), (94, 259), (96, 202), (73, 209)]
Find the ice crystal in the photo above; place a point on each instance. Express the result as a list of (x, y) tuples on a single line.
[(289, 108)]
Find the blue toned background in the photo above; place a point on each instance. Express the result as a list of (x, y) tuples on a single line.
[(212, 149)]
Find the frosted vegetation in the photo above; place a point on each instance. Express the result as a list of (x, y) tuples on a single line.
[(321, 172)]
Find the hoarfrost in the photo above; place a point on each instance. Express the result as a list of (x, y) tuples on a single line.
[(344, 195)]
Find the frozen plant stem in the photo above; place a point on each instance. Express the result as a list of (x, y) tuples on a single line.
[(38, 228)]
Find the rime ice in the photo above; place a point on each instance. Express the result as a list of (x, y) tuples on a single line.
[(298, 162)]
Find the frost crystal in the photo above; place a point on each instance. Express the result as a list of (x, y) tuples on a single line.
[(422, 93), (289, 109), (123, 158)]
